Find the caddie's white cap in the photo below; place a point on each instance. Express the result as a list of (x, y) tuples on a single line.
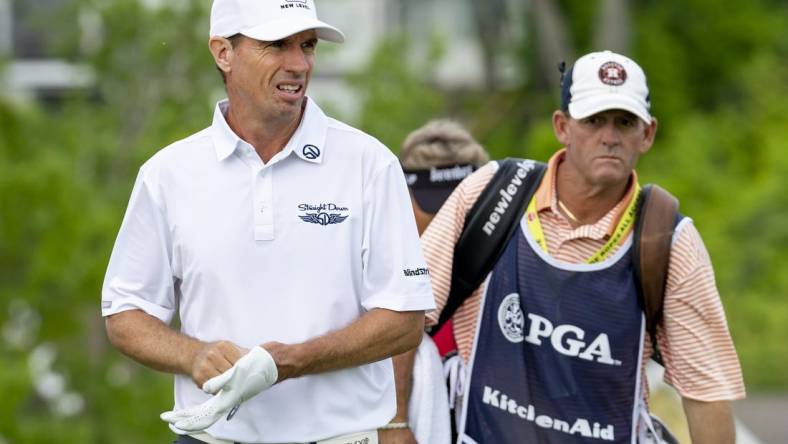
[(269, 20), (601, 81)]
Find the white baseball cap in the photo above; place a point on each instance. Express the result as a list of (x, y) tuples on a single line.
[(269, 20), (601, 81)]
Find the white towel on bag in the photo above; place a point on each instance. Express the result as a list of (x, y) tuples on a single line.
[(428, 409)]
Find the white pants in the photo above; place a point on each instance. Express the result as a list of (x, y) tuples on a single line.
[(370, 437)]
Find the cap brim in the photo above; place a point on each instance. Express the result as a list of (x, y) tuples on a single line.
[(430, 200), (587, 107), (280, 29)]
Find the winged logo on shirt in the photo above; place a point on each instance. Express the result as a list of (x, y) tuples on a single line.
[(323, 218), (327, 213)]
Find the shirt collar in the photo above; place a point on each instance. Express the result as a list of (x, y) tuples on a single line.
[(546, 196), (308, 142), (224, 139)]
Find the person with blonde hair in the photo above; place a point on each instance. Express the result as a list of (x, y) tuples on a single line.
[(435, 158)]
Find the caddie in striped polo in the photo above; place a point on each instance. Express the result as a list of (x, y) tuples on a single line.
[(554, 342)]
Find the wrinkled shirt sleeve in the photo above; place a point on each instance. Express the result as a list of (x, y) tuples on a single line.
[(139, 275), (395, 274)]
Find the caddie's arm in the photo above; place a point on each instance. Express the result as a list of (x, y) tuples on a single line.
[(699, 356), (403, 379), (149, 341), (376, 335), (710, 422), (438, 242)]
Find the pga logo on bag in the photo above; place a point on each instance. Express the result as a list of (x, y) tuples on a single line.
[(566, 339), (510, 318)]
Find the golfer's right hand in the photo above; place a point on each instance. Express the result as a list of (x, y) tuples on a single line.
[(254, 372), (213, 359)]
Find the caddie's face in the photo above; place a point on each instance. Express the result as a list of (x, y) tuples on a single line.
[(272, 77), (604, 148)]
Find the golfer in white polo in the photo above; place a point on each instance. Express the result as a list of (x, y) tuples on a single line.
[(285, 242)]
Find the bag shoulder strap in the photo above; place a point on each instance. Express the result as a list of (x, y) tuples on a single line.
[(489, 225), (656, 221)]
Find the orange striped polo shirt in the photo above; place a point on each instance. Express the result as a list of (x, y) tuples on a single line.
[(698, 353)]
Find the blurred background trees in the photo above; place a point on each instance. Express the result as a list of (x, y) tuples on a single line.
[(718, 78)]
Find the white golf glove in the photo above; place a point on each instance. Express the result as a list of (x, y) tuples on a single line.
[(253, 373)]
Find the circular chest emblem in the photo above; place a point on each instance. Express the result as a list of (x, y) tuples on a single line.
[(323, 218), (311, 152), (612, 73), (511, 319)]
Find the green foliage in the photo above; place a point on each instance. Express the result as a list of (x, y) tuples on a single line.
[(723, 153), (697, 53), (580, 17), (718, 78), (394, 94), (60, 208), (65, 177)]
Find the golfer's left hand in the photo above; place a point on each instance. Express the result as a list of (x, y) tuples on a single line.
[(251, 374)]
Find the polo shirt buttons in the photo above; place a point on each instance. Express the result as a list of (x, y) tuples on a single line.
[(264, 208)]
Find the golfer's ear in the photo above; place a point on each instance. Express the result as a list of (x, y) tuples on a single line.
[(560, 123), (222, 51)]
